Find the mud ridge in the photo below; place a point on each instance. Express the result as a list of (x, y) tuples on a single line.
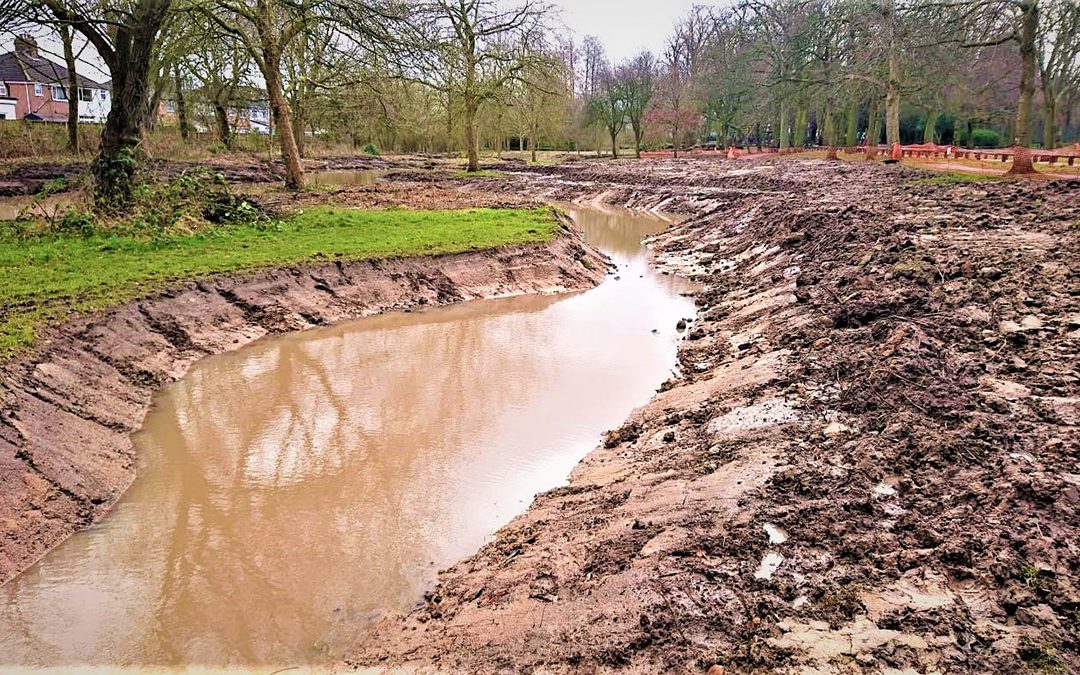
[(67, 410), (870, 462)]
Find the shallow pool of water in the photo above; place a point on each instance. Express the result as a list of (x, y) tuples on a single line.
[(293, 490)]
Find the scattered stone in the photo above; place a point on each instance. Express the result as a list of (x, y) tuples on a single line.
[(836, 429)]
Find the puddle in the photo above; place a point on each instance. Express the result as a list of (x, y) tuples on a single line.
[(292, 491), (777, 535), (769, 564)]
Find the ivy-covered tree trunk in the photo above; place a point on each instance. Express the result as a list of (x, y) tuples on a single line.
[(114, 167)]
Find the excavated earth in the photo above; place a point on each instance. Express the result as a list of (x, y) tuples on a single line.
[(869, 463), (67, 410)]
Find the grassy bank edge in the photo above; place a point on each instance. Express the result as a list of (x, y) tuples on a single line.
[(48, 279)]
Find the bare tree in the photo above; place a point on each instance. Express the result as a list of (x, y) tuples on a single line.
[(469, 50), (637, 79), (607, 108), (1059, 61)]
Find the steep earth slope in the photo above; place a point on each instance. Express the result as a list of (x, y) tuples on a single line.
[(870, 462)]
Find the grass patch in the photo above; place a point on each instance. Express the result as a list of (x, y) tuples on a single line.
[(483, 173), (954, 178), (45, 278)]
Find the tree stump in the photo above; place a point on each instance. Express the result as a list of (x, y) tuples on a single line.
[(1022, 163)]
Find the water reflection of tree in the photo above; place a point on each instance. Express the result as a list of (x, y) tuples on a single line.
[(362, 426), (618, 232)]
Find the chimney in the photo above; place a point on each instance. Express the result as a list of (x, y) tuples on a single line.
[(26, 45)]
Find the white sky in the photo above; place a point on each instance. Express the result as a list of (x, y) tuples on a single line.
[(625, 26)]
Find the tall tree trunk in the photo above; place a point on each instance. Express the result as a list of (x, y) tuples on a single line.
[(801, 121), (472, 140), (181, 105), (298, 123), (1049, 119), (67, 37), (614, 142), (892, 82), (873, 124), (785, 137), (930, 131), (279, 109), (221, 117), (1022, 163), (639, 132), (892, 106), (830, 131), (533, 133), (851, 138)]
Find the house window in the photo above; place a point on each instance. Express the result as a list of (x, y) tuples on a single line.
[(58, 93), (104, 94), (37, 90), (3, 89), (86, 95), (170, 106)]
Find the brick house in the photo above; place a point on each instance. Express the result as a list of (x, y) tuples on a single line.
[(35, 88)]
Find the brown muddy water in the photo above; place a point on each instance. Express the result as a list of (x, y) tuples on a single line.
[(294, 490)]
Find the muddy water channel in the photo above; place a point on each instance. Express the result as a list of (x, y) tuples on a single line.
[(293, 490)]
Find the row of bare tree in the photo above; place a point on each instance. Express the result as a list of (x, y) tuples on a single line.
[(452, 74), (763, 69)]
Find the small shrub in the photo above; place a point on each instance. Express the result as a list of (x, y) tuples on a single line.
[(371, 149), (75, 221), (985, 138)]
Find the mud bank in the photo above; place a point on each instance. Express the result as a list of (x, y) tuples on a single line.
[(27, 178), (68, 409), (870, 462)]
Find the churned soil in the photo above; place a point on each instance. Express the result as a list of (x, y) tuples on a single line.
[(870, 461), (68, 408)]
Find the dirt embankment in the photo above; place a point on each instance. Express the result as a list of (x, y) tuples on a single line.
[(66, 411), (869, 464), (27, 178)]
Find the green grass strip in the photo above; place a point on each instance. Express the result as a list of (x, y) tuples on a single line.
[(46, 278)]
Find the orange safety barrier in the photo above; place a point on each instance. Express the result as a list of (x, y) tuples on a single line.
[(1070, 155)]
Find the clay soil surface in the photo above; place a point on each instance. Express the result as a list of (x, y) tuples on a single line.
[(869, 462)]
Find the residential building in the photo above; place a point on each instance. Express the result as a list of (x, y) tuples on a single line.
[(35, 88)]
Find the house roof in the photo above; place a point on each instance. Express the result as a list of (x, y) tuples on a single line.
[(23, 67)]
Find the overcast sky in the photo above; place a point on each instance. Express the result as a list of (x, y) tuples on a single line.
[(625, 26)]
